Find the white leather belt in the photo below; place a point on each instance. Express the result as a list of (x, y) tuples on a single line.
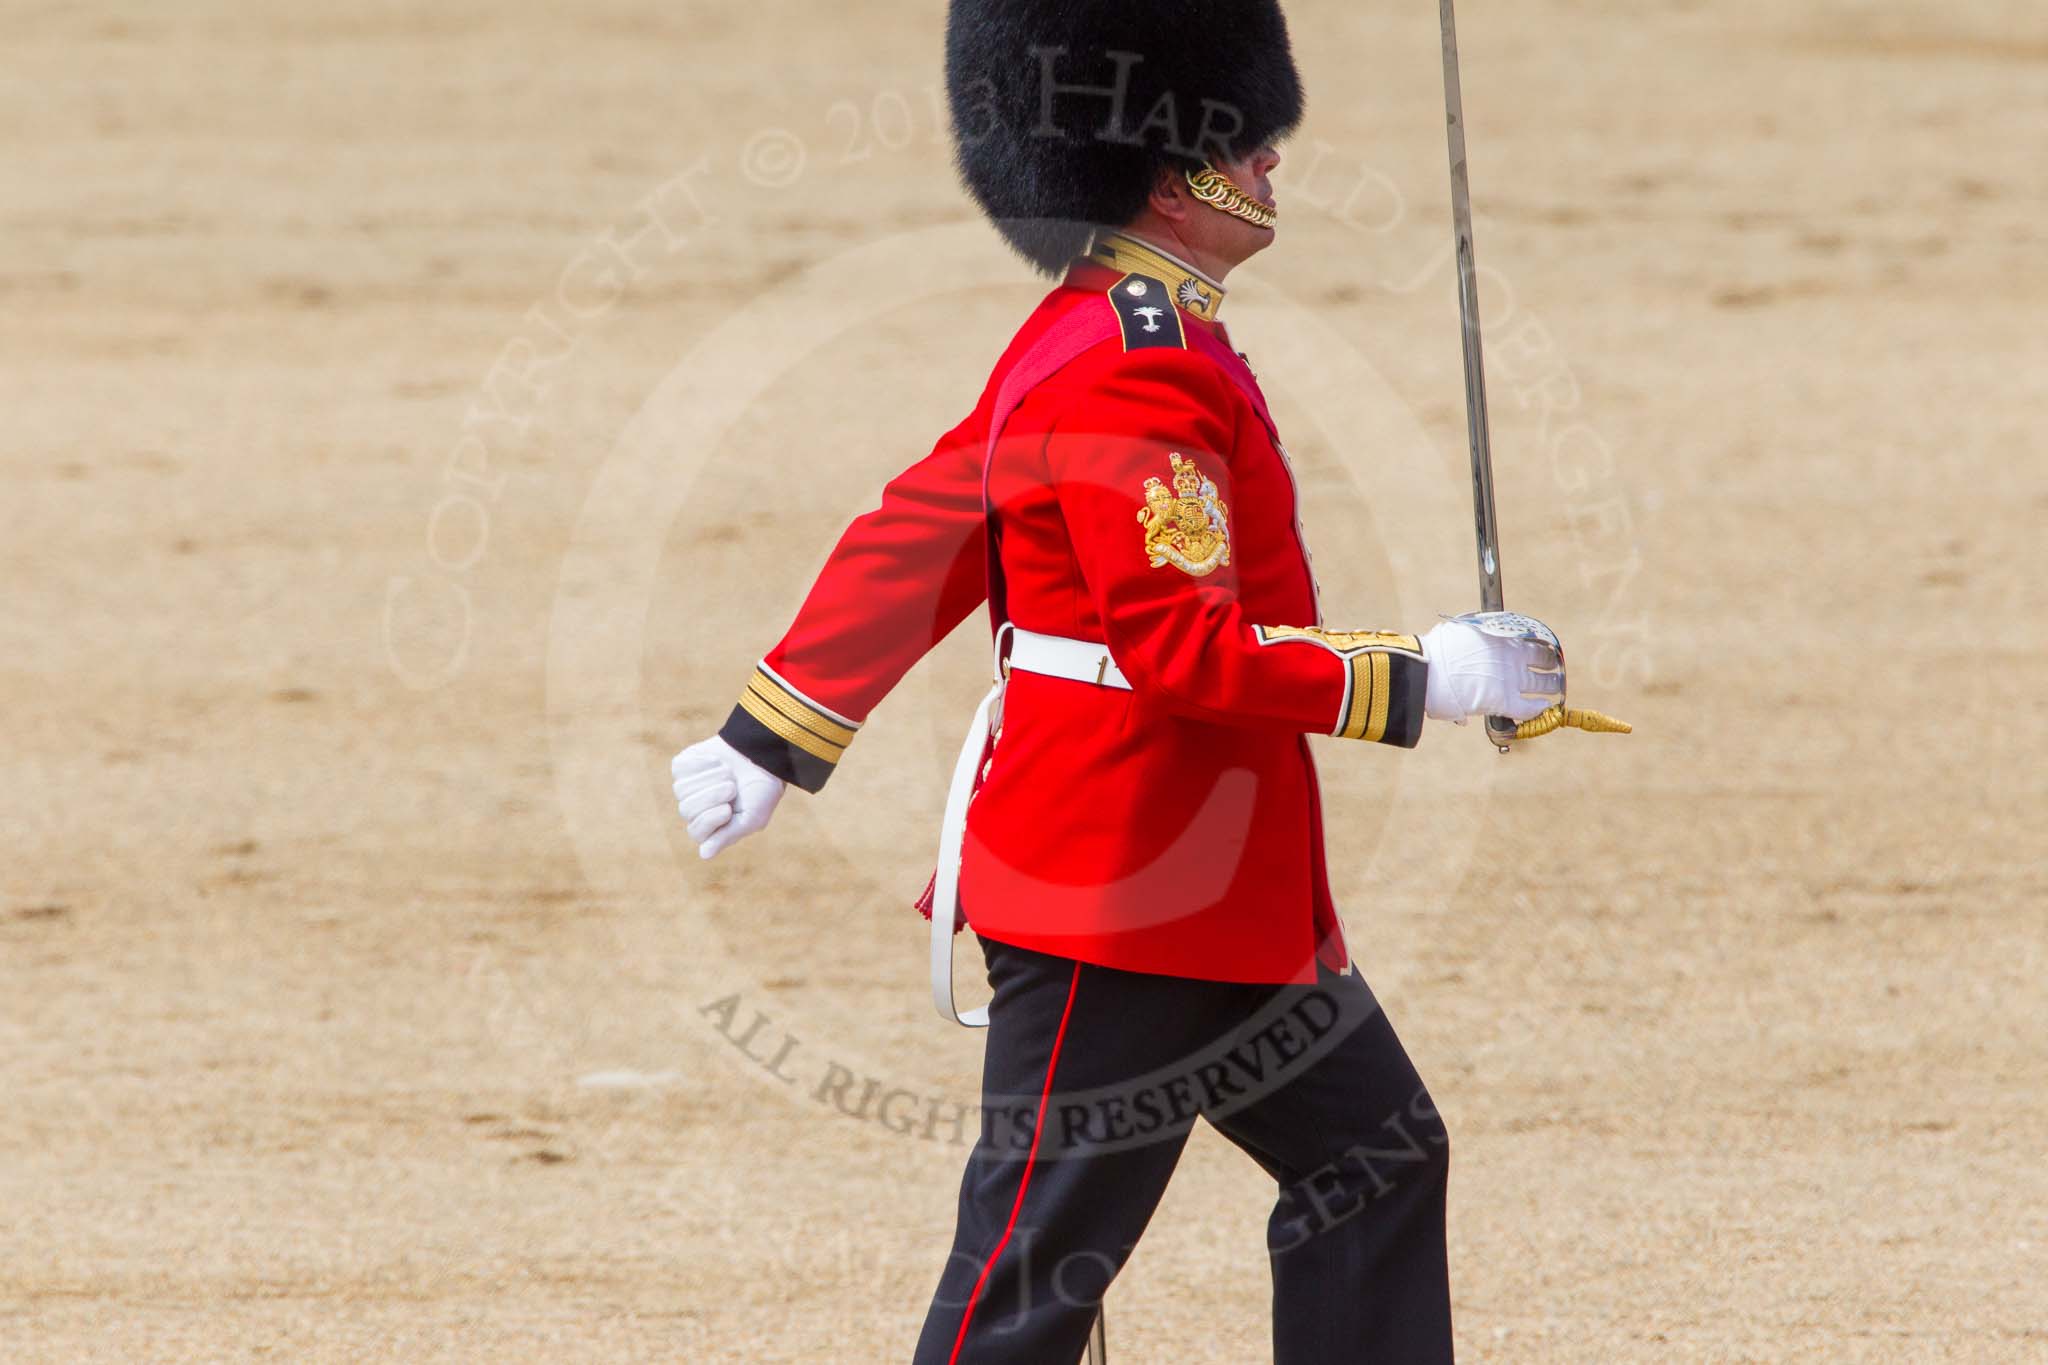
[(1055, 656), (1058, 657)]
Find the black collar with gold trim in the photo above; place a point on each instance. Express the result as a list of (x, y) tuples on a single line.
[(1190, 288)]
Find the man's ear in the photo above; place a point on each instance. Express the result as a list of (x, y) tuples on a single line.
[(1170, 198)]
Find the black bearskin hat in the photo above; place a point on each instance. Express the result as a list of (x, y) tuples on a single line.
[(1065, 111)]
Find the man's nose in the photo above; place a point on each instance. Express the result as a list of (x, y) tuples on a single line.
[(1265, 160)]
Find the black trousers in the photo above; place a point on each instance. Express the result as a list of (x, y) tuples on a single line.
[(1092, 1081)]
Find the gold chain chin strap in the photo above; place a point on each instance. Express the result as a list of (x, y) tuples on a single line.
[(1218, 190)]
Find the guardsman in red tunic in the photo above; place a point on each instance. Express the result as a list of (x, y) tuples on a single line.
[(1135, 834)]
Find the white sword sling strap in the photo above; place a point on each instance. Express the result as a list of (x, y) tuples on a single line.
[(1055, 656), (1052, 655)]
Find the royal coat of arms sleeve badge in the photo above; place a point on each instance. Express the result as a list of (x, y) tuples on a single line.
[(1186, 523)]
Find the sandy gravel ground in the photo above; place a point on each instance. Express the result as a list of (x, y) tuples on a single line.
[(419, 416)]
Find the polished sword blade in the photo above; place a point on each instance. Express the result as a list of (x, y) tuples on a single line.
[(1498, 728)]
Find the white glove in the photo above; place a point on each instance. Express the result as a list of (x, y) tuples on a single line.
[(1472, 673), (722, 794)]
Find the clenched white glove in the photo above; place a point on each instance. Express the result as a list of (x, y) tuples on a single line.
[(1472, 673), (722, 795)]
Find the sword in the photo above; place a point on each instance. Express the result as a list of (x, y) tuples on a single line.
[(1499, 729), (1492, 616)]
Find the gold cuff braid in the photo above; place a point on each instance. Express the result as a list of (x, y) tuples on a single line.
[(793, 719)]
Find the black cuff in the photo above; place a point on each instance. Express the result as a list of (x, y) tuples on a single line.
[(773, 752), (1407, 688), (786, 732)]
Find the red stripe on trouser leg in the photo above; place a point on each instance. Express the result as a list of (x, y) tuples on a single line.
[(1017, 1206)]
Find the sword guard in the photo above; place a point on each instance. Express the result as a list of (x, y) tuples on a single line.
[(1513, 625)]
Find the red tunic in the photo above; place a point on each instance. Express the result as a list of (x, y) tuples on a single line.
[(1141, 499)]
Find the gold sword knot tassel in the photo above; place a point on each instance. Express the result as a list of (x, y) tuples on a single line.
[(1572, 718)]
